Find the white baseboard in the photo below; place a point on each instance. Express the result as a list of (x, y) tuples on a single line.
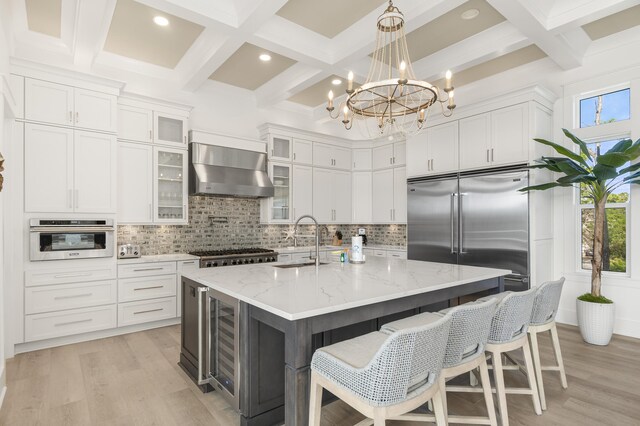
[(85, 337)]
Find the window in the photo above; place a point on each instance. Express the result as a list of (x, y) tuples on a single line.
[(605, 108), (616, 230)]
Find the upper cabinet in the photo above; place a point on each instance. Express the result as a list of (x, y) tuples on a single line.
[(390, 155), (302, 151), (59, 104), (331, 156), (495, 138), (280, 148), (149, 123), (434, 150), (169, 129), (361, 159), (331, 196), (135, 124)]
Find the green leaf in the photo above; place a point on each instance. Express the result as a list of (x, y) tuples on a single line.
[(544, 186), (604, 173), (612, 159), (633, 151), (570, 168), (631, 168), (563, 151), (633, 176), (621, 146), (577, 179), (583, 146)]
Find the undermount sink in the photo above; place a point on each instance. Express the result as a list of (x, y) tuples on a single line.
[(297, 264)]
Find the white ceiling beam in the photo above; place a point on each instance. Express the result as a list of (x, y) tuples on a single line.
[(91, 24), (571, 14), (559, 49)]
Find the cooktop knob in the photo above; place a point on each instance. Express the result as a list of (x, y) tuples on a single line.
[(251, 261), (212, 264), (224, 263), (260, 260)]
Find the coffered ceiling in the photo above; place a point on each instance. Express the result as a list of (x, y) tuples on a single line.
[(311, 42)]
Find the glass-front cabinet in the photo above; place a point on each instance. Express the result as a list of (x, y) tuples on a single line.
[(280, 203), (169, 129), (280, 148), (170, 185)]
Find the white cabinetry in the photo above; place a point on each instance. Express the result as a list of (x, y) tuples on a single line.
[(331, 196), (135, 188), (69, 170), (362, 193), (433, 151), (495, 138), (55, 103), (331, 156), (170, 185), (389, 201), (390, 155), (302, 151), (302, 191), (277, 209), (280, 148), (135, 124), (361, 159), (170, 129)]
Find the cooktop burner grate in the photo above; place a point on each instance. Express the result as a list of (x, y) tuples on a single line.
[(229, 252)]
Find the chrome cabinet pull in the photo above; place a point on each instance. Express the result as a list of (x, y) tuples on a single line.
[(73, 296), (73, 322), (148, 269), (492, 154), (82, 274), (70, 116), (77, 117), (148, 288), (77, 197), (294, 155), (150, 134), (487, 156), (147, 311), (390, 214)]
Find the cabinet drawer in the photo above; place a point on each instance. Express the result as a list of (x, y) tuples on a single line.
[(66, 276), (76, 321), (130, 289), (380, 253), (397, 254), (146, 311), (146, 269), (69, 296)]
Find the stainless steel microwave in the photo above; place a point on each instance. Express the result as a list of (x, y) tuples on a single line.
[(59, 239)]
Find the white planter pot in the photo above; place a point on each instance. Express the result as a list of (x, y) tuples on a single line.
[(596, 321)]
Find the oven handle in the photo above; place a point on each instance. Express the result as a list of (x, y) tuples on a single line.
[(62, 229), (202, 294)]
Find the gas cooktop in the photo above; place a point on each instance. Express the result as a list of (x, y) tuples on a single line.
[(227, 257)]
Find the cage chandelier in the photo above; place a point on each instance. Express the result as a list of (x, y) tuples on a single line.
[(391, 102)]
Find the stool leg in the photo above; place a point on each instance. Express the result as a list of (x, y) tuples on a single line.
[(535, 350), (315, 401), (443, 393), (500, 390), (531, 377), (488, 395), (438, 408), (378, 418), (558, 354)]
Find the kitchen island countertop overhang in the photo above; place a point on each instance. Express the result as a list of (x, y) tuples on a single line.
[(307, 291)]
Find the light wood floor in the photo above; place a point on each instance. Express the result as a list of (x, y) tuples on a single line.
[(134, 380)]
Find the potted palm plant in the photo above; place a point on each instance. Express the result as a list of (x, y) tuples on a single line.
[(597, 176)]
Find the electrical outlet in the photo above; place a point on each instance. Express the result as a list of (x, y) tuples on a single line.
[(362, 231)]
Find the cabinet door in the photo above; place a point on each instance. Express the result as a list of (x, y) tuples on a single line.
[(281, 201), (169, 129), (342, 197), (399, 153), (382, 199), (170, 185), (48, 169), (475, 146), (322, 155), (302, 151), (135, 183), (94, 172), (361, 159), (400, 195), (48, 102), (509, 135), (442, 147), (383, 157), (418, 162), (135, 124), (280, 148), (361, 189), (323, 194), (302, 191), (95, 110), (342, 158)]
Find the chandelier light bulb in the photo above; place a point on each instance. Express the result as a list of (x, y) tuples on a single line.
[(330, 104), (447, 77), (345, 110), (350, 81), (403, 69)]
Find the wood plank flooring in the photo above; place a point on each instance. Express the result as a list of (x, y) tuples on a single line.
[(134, 380)]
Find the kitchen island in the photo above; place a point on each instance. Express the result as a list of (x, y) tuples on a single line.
[(285, 313)]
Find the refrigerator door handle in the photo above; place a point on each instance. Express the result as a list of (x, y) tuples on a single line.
[(453, 197), (461, 224)]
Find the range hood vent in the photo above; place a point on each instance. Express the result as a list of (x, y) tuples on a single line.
[(218, 170)]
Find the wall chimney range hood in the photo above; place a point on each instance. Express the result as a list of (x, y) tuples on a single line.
[(220, 170)]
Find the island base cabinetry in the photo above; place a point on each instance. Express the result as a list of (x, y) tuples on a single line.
[(275, 353)]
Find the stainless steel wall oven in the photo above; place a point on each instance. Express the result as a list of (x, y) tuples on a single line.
[(56, 239)]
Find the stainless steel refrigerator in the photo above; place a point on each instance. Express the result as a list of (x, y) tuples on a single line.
[(478, 219)]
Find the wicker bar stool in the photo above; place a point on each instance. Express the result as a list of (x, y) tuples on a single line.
[(470, 325), (508, 333), (381, 375), (543, 318)]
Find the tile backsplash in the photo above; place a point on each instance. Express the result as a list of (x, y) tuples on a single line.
[(218, 223)]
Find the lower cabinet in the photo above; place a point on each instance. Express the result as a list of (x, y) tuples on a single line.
[(146, 311), (66, 323)]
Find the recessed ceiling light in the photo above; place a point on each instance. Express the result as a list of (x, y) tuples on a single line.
[(265, 57), (161, 21), (336, 81), (470, 14)]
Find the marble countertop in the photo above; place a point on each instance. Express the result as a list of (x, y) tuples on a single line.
[(285, 250), (173, 257), (307, 291)]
